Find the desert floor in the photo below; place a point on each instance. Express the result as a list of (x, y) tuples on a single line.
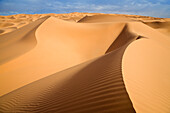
[(84, 63)]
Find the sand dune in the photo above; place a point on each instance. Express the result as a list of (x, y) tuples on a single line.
[(18, 41), (148, 86), (163, 27), (103, 18), (82, 62), (80, 89), (85, 42)]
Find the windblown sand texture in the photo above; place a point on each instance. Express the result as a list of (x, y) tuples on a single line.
[(84, 63)]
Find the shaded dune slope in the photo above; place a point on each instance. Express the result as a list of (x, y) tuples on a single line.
[(124, 38)]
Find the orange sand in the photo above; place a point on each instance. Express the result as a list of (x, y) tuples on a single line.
[(84, 63)]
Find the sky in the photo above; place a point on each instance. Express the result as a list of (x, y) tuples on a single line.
[(154, 8)]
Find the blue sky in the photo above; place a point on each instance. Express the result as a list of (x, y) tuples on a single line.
[(155, 8)]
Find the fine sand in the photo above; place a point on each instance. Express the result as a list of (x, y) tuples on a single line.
[(84, 63)]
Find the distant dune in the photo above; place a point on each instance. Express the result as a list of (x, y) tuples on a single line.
[(84, 63)]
